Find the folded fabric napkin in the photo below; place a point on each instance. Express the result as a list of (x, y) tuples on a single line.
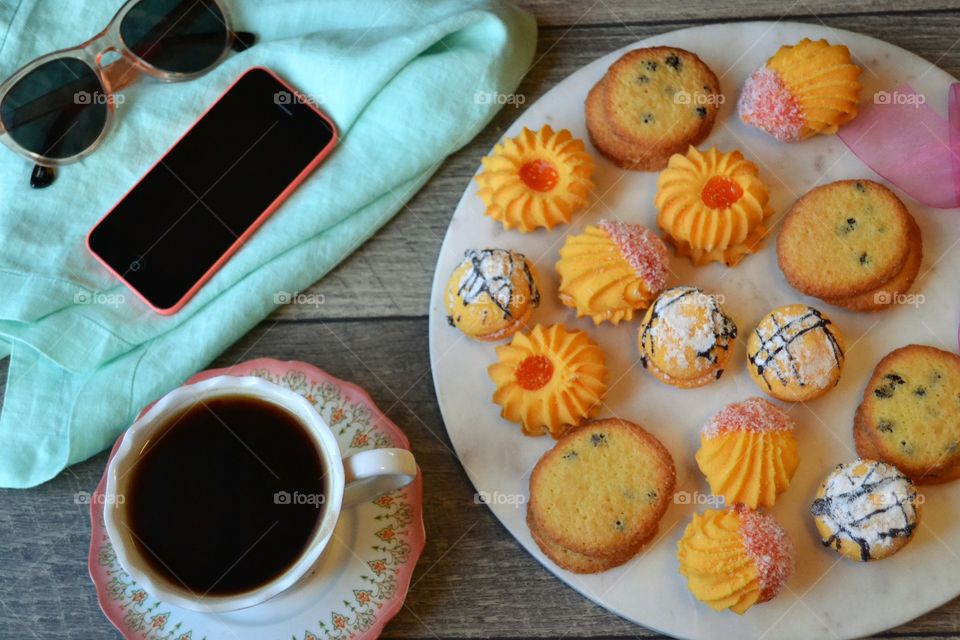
[(401, 81)]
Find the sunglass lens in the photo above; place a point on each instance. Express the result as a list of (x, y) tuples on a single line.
[(58, 110), (177, 36)]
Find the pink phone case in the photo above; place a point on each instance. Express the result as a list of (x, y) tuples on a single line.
[(256, 223)]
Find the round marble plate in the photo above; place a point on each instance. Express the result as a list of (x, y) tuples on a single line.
[(827, 596), (359, 583)]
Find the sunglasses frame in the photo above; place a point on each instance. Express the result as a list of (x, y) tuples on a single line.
[(92, 53)]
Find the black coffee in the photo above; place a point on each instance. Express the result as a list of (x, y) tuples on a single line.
[(227, 496)]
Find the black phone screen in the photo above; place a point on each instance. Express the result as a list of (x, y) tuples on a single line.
[(192, 208)]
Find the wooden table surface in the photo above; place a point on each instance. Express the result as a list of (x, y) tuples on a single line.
[(473, 580)]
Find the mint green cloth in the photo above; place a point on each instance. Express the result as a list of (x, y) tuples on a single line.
[(401, 79)]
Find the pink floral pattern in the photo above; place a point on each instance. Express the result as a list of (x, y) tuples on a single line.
[(378, 593)]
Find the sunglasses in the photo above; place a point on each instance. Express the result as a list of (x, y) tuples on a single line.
[(60, 107)]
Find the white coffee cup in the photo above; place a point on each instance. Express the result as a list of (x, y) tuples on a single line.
[(351, 480)]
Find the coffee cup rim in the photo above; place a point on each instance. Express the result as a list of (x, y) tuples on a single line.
[(138, 435)]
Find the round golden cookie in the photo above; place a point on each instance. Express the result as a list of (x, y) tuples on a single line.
[(892, 291), (866, 510), (652, 103), (581, 563), (686, 338), (602, 489), (910, 414), (796, 353), (844, 239), (491, 294)]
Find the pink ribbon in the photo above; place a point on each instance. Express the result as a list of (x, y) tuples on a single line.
[(903, 139)]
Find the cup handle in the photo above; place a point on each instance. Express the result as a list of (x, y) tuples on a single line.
[(369, 474)]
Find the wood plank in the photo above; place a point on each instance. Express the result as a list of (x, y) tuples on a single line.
[(551, 13), (391, 275), (473, 579)]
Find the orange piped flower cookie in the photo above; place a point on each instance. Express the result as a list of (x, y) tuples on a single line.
[(809, 88), (712, 206), (735, 558), (537, 179), (549, 380), (748, 452), (612, 270)]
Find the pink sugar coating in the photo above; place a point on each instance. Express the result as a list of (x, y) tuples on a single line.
[(768, 104), (642, 249), (752, 414), (770, 548)]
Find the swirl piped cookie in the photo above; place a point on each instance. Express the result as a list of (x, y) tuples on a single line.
[(549, 380), (851, 243), (650, 104), (611, 271), (538, 179), (866, 510), (491, 294), (748, 452), (712, 205), (598, 496), (686, 338), (910, 414), (809, 88), (735, 558), (796, 353)]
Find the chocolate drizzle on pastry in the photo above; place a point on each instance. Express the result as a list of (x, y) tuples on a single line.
[(869, 509), (774, 354), (719, 324), (491, 273)]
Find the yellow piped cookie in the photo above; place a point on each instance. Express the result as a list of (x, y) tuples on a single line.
[(537, 179), (735, 558), (796, 353), (491, 294), (611, 271), (748, 452), (549, 380), (809, 88), (686, 338), (712, 205)]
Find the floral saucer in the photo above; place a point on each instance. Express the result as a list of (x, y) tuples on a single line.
[(357, 586)]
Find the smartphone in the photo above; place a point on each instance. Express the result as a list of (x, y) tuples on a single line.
[(209, 192)]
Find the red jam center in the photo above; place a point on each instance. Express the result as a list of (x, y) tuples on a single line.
[(539, 175), (534, 372), (720, 192)]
